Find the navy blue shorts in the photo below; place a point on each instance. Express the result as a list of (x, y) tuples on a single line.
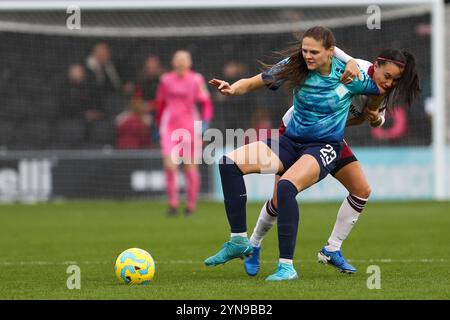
[(289, 151)]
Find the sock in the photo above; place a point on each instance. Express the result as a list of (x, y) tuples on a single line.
[(234, 194), (192, 187), (347, 216), (240, 234), (172, 187), (288, 261), (267, 218), (288, 218)]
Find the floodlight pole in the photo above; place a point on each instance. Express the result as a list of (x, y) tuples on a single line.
[(438, 93)]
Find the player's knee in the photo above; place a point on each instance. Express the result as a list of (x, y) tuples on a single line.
[(286, 190), (363, 191), (228, 166), (169, 164)]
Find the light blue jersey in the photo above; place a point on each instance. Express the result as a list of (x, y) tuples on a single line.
[(322, 103)]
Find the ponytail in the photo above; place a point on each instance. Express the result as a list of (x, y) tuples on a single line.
[(409, 86)]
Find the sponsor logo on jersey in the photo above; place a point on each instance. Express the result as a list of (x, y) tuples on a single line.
[(354, 111)]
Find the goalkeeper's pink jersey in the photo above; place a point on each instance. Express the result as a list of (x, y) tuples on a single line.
[(177, 98)]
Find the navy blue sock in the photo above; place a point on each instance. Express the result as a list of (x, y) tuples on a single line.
[(288, 218), (234, 193)]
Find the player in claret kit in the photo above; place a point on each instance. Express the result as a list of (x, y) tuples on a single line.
[(307, 151), (395, 74), (177, 94)]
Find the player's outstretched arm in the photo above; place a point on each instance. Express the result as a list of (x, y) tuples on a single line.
[(238, 88)]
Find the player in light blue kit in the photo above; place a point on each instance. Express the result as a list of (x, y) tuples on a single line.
[(395, 74), (307, 151)]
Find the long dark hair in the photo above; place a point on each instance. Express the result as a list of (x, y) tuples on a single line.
[(295, 70), (408, 87)]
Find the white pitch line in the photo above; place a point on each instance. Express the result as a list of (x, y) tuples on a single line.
[(66, 263)]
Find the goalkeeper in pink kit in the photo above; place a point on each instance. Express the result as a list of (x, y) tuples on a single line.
[(178, 93)]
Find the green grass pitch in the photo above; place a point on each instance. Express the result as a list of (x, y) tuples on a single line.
[(409, 241)]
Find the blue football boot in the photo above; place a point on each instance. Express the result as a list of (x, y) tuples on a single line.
[(235, 248), (285, 271), (251, 263), (336, 259)]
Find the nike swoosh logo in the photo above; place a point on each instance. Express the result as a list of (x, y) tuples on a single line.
[(328, 258)]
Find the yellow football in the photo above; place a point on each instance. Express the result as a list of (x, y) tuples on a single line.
[(135, 266)]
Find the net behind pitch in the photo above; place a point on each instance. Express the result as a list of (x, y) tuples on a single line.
[(38, 50)]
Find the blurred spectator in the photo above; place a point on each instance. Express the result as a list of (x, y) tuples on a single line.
[(133, 125), (74, 96), (232, 107), (148, 84), (261, 122), (77, 107), (102, 74), (149, 79)]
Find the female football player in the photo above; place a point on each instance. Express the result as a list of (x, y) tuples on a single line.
[(395, 74), (178, 92), (304, 154)]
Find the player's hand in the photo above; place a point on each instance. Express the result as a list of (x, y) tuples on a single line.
[(351, 72), (373, 117), (223, 87)]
